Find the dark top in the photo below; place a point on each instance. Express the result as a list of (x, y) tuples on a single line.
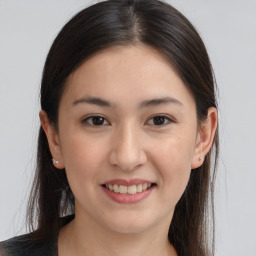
[(26, 245)]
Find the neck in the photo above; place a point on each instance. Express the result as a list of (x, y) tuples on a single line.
[(86, 237)]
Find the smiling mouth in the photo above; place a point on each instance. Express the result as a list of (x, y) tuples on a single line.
[(130, 190)]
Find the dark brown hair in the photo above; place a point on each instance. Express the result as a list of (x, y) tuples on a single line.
[(126, 22)]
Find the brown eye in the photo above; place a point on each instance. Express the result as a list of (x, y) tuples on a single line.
[(96, 121), (159, 120)]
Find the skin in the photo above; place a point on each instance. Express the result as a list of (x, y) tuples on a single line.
[(128, 144)]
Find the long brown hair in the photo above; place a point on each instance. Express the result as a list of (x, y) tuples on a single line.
[(126, 22)]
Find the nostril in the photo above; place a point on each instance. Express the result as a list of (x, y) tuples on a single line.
[(127, 157)]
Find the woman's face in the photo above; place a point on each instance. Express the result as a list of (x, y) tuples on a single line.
[(125, 120)]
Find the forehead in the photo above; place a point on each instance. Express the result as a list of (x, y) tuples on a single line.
[(123, 72)]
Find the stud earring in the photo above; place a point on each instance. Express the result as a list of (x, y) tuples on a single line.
[(55, 161)]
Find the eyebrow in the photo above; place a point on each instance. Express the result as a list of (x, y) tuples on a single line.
[(160, 101), (147, 103), (94, 101)]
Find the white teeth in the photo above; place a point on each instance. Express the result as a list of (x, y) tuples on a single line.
[(132, 190), (139, 188), (123, 189), (116, 188), (144, 186)]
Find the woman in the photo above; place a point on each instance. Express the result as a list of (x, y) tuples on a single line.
[(128, 127)]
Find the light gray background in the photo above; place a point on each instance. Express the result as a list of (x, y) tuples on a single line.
[(228, 27)]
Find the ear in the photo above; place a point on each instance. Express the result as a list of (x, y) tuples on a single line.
[(53, 139), (205, 138)]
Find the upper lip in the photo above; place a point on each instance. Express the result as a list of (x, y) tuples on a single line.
[(127, 182)]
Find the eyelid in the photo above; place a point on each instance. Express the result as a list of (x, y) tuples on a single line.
[(167, 117), (86, 118)]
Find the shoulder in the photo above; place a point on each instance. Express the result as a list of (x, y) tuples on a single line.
[(25, 245), (29, 245)]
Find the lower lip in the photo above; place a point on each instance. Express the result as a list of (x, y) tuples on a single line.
[(127, 198)]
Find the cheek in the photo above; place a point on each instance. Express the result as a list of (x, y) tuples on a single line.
[(82, 158), (173, 160)]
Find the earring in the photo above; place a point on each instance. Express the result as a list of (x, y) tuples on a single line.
[(55, 161)]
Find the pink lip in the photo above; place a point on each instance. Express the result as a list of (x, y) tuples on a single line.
[(127, 198), (127, 182)]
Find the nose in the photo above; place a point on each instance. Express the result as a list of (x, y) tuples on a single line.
[(127, 151)]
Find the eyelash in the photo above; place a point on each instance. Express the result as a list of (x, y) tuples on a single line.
[(167, 120), (86, 120)]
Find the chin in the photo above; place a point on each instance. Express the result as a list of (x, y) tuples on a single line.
[(132, 223), (128, 228)]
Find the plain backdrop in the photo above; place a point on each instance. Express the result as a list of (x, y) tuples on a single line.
[(228, 28)]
